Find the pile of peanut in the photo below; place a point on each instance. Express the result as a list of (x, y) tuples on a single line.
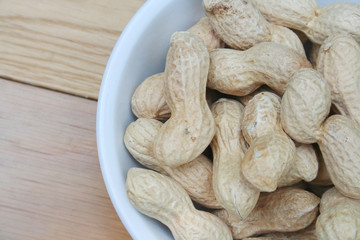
[(283, 126)]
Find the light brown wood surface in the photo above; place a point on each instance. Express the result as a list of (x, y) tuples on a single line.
[(51, 185), (62, 45)]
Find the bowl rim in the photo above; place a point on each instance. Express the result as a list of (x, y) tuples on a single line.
[(120, 49)]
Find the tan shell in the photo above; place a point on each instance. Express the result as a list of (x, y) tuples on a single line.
[(231, 189), (336, 18), (339, 217), (308, 233), (339, 144), (287, 37), (284, 210), (237, 23), (305, 105), (338, 61), (191, 126), (195, 177), (272, 152), (204, 30), (316, 22), (162, 198), (289, 13), (241, 72), (148, 100), (305, 166), (241, 26), (138, 139)]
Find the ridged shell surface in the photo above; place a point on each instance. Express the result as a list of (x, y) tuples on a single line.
[(339, 62), (191, 126), (232, 190), (162, 198), (305, 105), (241, 72), (339, 144)]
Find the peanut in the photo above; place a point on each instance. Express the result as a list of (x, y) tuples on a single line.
[(162, 198), (231, 189), (338, 61), (195, 177), (305, 166), (272, 152), (241, 72), (204, 30), (191, 126), (304, 107), (284, 210), (241, 26), (148, 100), (316, 22), (339, 144), (339, 217)]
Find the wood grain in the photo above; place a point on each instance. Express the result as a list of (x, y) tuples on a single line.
[(61, 45), (50, 181)]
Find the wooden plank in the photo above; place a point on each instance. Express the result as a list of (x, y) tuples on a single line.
[(51, 186), (62, 45)]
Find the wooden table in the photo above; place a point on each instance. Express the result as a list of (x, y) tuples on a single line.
[(52, 57)]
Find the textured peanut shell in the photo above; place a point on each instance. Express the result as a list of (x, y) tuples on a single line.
[(339, 143), (308, 233), (162, 198), (284, 210), (338, 61), (305, 105), (138, 139), (241, 26), (339, 217), (305, 166), (316, 22), (191, 126), (241, 72), (237, 23), (336, 18), (289, 13), (204, 30), (195, 177), (272, 152), (231, 189), (287, 37), (148, 99)]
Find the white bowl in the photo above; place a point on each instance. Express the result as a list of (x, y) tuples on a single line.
[(139, 53)]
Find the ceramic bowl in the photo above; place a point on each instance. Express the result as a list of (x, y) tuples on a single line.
[(139, 53)]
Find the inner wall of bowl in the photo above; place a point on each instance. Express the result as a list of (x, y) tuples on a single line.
[(147, 57)]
